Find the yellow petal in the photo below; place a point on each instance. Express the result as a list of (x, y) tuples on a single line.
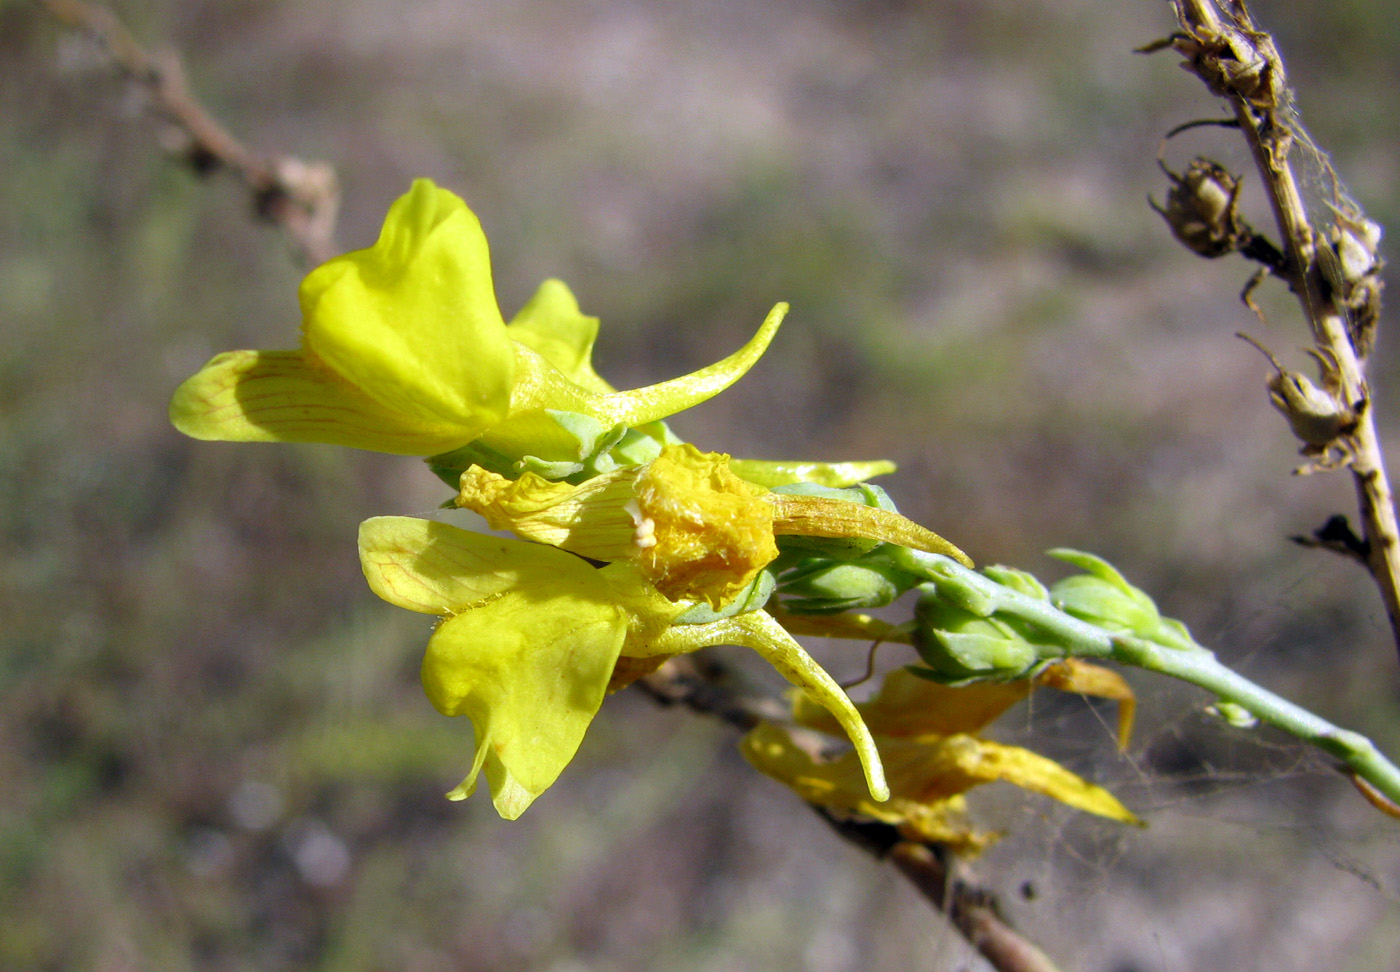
[(412, 321), (910, 706), (529, 669), (983, 760), (436, 568), (530, 640), (925, 774), (837, 784), (1086, 678), (837, 475), (553, 327), (281, 396)]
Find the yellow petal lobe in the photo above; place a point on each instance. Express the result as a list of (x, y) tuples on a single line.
[(530, 674), (283, 396), (412, 321), (552, 326), (526, 650)]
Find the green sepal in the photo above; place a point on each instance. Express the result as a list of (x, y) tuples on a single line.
[(642, 444), (582, 448), (449, 466)]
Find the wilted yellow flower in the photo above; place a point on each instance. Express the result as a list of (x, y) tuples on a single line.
[(925, 733), (531, 638), (405, 351), (694, 528)]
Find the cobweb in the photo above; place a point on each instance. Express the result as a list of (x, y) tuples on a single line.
[(1258, 854)]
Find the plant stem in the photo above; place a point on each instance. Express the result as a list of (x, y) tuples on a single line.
[(300, 197), (1214, 35)]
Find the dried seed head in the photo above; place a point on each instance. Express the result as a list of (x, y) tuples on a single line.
[(1316, 416), (1203, 209), (1233, 61)]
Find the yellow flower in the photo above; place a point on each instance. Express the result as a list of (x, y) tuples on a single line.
[(531, 637), (694, 528), (925, 734), (405, 351)]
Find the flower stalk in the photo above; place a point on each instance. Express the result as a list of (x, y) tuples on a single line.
[(1058, 634)]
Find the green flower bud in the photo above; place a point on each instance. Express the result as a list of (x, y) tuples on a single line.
[(961, 646), (1102, 596), (820, 585), (1018, 580)]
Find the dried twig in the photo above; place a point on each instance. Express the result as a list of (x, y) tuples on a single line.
[(300, 197), (930, 868), (1333, 270)]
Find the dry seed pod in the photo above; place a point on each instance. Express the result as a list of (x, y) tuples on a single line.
[(1203, 208), (1316, 416)]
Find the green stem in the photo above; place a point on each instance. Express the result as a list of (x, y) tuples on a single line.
[(1198, 666)]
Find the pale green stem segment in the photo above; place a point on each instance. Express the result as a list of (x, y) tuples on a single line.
[(758, 630), (1199, 667)]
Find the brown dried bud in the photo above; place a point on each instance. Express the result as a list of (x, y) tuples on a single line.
[(1243, 63), (1203, 209)]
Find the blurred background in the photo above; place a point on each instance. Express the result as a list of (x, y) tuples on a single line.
[(214, 752)]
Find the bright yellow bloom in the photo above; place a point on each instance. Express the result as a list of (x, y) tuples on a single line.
[(405, 351), (531, 637), (925, 733)]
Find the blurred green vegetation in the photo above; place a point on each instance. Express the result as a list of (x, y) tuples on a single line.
[(214, 751)]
